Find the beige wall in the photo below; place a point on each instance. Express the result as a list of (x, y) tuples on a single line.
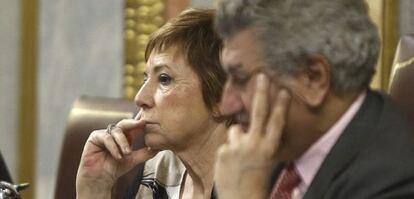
[(9, 81), (80, 53), (385, 13), (406, 16)]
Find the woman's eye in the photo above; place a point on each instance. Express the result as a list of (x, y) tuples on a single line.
[(164, 79)]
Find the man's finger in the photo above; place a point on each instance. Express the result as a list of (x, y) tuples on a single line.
[(277, 119), (222, 152), (234, 133), (260, 106)]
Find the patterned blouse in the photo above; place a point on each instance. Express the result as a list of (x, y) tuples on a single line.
[(162, 177)]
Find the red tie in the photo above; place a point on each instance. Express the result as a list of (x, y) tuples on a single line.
[(287, 181)]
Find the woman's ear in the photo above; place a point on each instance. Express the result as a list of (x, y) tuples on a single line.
[(313, 83)]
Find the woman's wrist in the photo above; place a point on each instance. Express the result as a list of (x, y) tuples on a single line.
[(93, 190), (99, 195), (93, 193)]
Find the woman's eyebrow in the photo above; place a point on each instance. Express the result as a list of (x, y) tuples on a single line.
[(156, 68), (159, 67)]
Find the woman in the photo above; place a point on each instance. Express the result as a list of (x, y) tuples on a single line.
[(179, 116)]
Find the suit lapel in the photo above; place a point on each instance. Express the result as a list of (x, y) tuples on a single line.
[(353, 139), (277, 168)]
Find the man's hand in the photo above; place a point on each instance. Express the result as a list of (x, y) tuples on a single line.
[(245, 162), (107, 156)]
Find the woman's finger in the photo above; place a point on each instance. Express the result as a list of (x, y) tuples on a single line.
[(120, 139), (277, 119), (131, 128), (260, 106), (138, 115), (130, 124), (108, 143)]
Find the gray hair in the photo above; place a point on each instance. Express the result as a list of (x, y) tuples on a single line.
[(290, 31)]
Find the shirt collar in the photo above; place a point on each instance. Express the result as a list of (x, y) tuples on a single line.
[(308, 164)]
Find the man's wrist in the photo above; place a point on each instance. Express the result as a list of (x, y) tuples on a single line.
[(256, 183)]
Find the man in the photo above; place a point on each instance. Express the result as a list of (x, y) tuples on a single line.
[(298, 82)]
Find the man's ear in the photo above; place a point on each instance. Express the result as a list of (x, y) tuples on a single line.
[(216, 113), (313, 83)]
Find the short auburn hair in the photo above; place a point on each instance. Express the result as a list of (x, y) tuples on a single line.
[(192, 32)]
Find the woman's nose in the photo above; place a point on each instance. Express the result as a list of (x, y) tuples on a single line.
[(231, 102), (145, 96)]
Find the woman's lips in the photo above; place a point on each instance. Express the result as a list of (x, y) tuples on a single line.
[(149, 121), (151, 127)]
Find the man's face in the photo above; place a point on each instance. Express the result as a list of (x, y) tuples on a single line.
[(242, 59)]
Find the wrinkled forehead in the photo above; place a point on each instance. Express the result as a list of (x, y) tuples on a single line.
[(171, 57), (170, 50)]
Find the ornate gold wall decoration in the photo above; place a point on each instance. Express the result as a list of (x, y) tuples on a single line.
[(385, 15), (142, 17), (26, 145)]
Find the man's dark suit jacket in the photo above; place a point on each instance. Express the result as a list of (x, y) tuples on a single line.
[(373, 158)]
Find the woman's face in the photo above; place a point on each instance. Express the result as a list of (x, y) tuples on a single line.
[(172, 104)]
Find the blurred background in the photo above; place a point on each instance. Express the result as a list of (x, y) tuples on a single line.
[(53, 51)]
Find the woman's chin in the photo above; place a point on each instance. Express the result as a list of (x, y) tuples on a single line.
[(154, 141)]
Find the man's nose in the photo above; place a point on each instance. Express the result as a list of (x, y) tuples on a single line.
[(231, 102)]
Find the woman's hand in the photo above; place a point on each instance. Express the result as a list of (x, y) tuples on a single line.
[(245, 162), (107, 156)]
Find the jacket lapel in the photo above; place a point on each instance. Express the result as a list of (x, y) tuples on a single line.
[(355, 136)]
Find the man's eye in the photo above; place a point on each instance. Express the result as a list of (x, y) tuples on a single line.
[(164, 79), (239, 80)]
